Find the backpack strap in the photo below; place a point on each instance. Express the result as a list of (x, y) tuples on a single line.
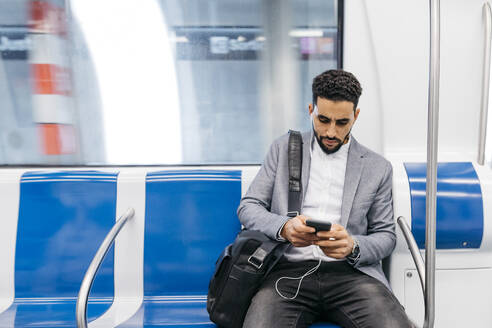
[(294, 206), (295, 170), (295, 193)]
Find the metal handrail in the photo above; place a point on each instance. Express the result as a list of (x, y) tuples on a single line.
[(484, 104), (85, 288), (414, 250), (431, 181)]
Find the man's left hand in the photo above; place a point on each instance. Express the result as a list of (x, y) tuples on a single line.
[(336, 243)]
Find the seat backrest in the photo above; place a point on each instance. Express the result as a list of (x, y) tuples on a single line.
[(190, 218), (63, 218), (459, 217)]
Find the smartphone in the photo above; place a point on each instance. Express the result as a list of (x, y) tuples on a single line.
[(319, 225)]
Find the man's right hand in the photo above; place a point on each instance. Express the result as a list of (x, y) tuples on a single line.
[(298, 233)]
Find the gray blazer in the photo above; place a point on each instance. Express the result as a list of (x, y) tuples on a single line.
[(367, 204)]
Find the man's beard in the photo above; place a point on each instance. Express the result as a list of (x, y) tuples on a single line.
[(332, 150)]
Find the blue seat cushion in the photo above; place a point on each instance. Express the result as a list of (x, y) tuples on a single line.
[(177, 312), (44, 312), (171, 312)]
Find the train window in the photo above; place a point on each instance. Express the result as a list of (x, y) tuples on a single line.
[(129, 82)]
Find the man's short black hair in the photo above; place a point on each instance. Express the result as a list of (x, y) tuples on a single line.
[(337, 85)]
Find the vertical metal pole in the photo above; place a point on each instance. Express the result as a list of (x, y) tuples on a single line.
[(431, 186), (484, 105)]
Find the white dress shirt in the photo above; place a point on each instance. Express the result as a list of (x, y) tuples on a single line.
[(323, 199)]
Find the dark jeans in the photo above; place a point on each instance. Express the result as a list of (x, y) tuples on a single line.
[(336, 292)]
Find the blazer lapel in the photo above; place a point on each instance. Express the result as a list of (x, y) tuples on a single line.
[(306, 163), (355, 163)]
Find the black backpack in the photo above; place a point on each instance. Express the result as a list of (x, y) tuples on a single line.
[(244, 264)]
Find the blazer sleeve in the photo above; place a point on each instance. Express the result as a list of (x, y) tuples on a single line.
[(381, 238), (254, 208)]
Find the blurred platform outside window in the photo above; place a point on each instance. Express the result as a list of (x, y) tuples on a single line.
[(158, 82)]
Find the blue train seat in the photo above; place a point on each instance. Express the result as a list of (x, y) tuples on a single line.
[(462, 247), (190, 217), (459, 220), (63, 218)]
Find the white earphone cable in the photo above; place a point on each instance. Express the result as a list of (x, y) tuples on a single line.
[(310, 271)]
